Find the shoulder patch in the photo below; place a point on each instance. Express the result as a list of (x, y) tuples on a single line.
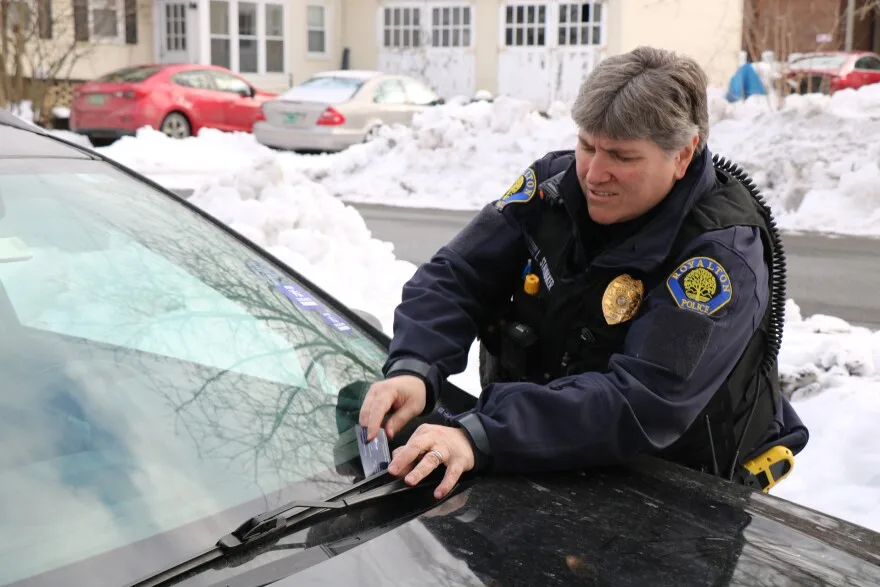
[(522, 190), (700, 284)]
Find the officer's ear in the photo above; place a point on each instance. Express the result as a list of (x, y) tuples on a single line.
[(684, 157)]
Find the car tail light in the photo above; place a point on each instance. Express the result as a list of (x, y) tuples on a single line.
[(261, 113), (331, 117), (133, 94)]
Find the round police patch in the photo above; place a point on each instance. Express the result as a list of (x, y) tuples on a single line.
[(700, 284), (522, 190)]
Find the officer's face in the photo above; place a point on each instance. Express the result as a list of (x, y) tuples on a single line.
[(622, 180)]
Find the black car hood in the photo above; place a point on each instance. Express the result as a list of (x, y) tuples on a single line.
[(648, 525)]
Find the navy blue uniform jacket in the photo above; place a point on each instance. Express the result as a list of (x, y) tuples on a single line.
[(645, 400)]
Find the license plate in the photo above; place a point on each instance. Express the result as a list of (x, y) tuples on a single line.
[(292, 117), (96, 98)]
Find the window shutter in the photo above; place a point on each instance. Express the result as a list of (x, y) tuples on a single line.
[(81, 20), (44, 18), (131, 22)]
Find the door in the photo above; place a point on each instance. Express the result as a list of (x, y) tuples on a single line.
[(866, 71), (548, 47), (432, 40), (240, 108), (196, 95), (177, 25)]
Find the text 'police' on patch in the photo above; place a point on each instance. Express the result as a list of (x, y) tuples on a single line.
[(700, 284)]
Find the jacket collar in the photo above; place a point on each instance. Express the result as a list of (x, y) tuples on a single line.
[(648, 248)]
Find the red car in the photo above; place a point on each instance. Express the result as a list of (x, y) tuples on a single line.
[(832, 71), (176, 99)]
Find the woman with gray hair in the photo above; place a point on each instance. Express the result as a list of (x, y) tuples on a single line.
[(628, 296)]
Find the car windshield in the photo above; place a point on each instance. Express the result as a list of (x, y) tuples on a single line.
[(157, 372), (819, 62), (325, 88), (130, 74)]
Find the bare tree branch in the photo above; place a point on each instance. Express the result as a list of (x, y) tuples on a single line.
[(42, 41)]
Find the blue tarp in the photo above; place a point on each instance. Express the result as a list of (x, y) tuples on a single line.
[(744, 83)]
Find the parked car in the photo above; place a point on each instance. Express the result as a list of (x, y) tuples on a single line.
[(829, 72), (176, 99), (178, 407), (335, 109)]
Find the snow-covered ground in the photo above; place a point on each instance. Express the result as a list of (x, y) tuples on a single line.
[(463, 156)]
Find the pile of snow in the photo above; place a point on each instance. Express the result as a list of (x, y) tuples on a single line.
[(829, 368), (822, 352), (813, 156), (191, 162), (457, 156)]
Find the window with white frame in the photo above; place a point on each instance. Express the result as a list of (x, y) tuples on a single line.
[(400, 27), (248, 36), (95, 20), (524, 25), (175, 27), (220, 34), (580, 23), (106, 19), (451, 26), (316, 30), (274, 38)]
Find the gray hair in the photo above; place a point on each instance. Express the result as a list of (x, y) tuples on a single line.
[(648, 93)]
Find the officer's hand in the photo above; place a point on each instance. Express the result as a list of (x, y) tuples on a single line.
[(455, 452), (405, 394)]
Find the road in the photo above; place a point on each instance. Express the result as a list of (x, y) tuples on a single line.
[(839, 276)]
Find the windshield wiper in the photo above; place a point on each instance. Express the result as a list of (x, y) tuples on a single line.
[(269, 525)]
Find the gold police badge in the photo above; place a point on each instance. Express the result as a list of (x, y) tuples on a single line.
[(622, 299)]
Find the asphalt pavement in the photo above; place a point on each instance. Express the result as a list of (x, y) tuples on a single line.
[(839, 276)]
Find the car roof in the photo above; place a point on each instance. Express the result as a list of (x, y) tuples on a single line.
[(20, 139), (363, 74)]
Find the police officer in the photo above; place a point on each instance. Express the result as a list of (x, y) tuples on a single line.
[(628, 296)]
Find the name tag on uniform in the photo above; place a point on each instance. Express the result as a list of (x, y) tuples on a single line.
[(375, 455)]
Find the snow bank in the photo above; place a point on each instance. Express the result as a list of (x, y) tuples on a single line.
[(456, 156), (190, 162), (829, 369), (823, 352), (838, 473), (815, 156)]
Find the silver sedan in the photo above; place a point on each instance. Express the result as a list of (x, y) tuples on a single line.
[(336, 109)]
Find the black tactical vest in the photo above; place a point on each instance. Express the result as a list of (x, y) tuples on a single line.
[(563, 331)]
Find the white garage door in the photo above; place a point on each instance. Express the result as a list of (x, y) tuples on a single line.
[(548, 47), (431, 40)]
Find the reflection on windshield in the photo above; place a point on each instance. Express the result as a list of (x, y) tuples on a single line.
[(156, 371)]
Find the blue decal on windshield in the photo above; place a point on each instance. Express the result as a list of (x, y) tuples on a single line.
[(336, 322), (298, 296)]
